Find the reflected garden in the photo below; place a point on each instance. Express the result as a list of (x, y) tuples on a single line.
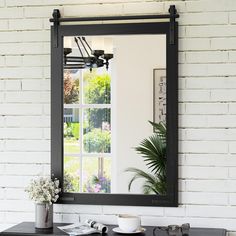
[(85, 93)]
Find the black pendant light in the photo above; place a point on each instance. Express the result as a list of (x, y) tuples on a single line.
[(88, 58)]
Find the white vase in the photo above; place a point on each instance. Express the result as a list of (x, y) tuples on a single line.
[(43, 216)]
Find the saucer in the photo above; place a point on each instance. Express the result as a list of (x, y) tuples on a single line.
[(138, 231)]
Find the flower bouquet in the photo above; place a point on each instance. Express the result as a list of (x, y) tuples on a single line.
[(44, 192)]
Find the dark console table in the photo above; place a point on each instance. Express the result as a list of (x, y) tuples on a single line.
[(27, 228)]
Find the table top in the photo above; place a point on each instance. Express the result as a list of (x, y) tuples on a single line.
[(27, 228)]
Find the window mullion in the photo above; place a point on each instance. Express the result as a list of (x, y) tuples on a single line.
[(81, 113), (87, 106)]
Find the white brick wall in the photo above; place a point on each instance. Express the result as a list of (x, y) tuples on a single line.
[(207, 101)]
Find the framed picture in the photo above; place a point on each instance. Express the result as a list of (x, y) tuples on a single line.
[(159, 95)]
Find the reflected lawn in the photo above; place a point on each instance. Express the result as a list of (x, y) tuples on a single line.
[(71, 146)]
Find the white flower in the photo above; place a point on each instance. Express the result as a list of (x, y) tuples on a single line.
[(44, 190)]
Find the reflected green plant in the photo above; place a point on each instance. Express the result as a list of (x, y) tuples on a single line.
[(98, 141), (98, 184), (153, 151), (71, 183), (71, 130)]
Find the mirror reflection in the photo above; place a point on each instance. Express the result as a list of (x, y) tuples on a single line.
[(115, 114)]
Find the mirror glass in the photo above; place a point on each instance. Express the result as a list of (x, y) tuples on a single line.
[(113, 87)]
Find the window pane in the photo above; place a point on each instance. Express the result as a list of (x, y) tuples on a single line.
[(71, 174), (97, 89), (97, 130), (96, 175), (71, 130), (71, 86)]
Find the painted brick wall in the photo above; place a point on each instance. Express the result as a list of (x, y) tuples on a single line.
[(207, 102)]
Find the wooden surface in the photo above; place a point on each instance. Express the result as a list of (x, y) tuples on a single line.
[(27, 228)]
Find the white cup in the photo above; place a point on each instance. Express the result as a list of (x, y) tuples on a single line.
[(129, 223)]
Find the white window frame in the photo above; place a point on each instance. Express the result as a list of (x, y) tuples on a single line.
[(81, 106)]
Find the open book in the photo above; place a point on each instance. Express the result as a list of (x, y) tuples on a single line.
[(89, 227)]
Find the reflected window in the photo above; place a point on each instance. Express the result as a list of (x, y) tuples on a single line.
[(87, 130)]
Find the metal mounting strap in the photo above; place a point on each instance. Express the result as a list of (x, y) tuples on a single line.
[(172, 11), (172, 15), (56, 15)]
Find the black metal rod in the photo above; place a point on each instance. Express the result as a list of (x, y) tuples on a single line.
[(83, 46), (103, 18), (80, 65), (76, 40), (87, 44), (75, 59), (74, 68), (70, 62)]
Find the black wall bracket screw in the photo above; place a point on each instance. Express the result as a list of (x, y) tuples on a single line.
[(56, 15)]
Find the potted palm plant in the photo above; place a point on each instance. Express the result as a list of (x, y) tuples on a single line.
[(153, 151)]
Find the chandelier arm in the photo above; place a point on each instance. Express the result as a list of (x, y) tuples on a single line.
[(76, 41), (74, 67), (83, 38), (84, 46), (75, 59)]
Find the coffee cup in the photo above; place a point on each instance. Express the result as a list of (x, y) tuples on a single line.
[(129, 223)]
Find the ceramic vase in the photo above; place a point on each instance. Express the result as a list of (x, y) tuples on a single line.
[(43, 216)]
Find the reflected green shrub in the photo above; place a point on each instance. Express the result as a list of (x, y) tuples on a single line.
[(75, 129), (71, 130), (71, 183), (97, 140), (97, 90)]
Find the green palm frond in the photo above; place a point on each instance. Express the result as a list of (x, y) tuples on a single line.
[(159, 128), (153, 150), (160, 184), (152, 184), (159, 187), (139, 174), (147, 189)]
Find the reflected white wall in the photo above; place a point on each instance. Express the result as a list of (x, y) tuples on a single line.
[(135, 57)]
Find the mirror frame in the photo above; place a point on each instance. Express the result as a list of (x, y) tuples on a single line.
[(57, 154)]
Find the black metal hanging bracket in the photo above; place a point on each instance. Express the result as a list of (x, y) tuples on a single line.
[(56, 16), (172, 16), (173, 12)]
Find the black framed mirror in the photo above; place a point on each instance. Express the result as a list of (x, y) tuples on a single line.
[(114, 110)]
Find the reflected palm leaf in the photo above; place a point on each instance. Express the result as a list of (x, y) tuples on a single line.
[(159, 128), (153, 150)]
